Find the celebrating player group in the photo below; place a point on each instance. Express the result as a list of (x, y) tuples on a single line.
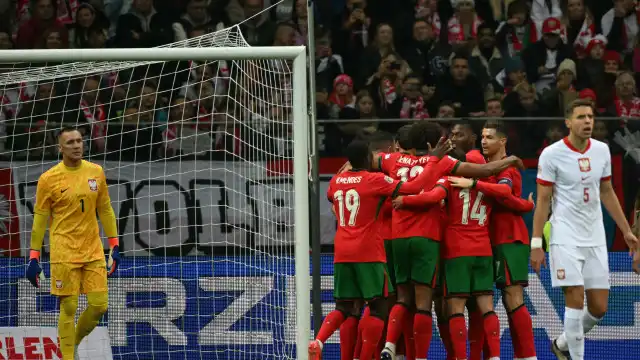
[(428, 223)]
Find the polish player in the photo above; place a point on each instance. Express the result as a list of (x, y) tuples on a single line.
[(69, 194), (359, 259), (576, 174), (510, 240), (415, 244)]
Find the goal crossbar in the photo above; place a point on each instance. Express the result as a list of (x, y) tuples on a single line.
[(300, 133)]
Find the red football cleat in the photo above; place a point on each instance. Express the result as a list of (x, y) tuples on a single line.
[(315, 351)]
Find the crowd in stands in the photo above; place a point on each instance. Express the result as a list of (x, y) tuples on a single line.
[(375, 60)]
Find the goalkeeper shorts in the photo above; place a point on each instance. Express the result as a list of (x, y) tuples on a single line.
[(78, 278)]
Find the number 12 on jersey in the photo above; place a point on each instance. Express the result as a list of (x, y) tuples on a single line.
[(478, 210), (349, 202)]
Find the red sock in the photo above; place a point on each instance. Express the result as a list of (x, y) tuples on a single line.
[(330, 324), (371, 335), (520, 321), (458, 332), (407, 333), (514, 337), (476, 335), (422, 333), (443, 328), (348, 337), (492, 334), (397, 318), (358, 348), (400, 347)]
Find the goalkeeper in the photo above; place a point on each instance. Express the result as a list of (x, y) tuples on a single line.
[(70, 193)]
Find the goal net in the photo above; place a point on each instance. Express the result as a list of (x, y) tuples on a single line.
[(199, 158)]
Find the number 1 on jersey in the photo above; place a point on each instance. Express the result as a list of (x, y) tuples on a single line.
[(349, 200), (478, 210)]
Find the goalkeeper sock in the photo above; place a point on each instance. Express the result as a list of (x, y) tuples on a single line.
[(371, 335), (476, 335), (422, 333), (491, 326), (458, 332), (348, 337), (521, 328), (330, 324), (397, 317), (66, 325), (90, 317)]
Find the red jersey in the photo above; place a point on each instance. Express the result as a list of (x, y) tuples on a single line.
[(357, 198), (476, 157), (467, 232), (411, 222), (507, 226), (385, 219)]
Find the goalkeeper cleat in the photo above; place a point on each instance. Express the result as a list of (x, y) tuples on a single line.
[(387, 354), (315, 350), (560, 355)]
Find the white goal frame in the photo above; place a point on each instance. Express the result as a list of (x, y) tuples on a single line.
[(300, 134)]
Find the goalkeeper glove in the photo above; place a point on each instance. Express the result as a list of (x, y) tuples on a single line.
[(34, 271), (114, 256)]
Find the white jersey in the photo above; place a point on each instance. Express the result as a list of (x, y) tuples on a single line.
[(576, 217)]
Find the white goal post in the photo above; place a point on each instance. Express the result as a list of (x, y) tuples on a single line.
[(299, 122)]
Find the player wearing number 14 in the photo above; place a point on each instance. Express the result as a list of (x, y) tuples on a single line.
[(69, 194)]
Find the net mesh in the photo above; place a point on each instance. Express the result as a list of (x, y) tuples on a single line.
[(197, 158)]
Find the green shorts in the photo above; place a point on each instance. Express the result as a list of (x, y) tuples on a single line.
[(511, 264), (360, 280), (388, 249), (416, 259), (468, 275)]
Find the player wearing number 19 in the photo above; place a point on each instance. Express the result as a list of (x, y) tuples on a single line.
[(359, 260), (69, 194)]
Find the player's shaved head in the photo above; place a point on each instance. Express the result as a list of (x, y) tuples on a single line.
[(425, 135), (359, 154), (402, 137), (381, 141), (66, 130)]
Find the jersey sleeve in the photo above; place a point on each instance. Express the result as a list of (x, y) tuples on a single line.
[(383, 185), (546, 168), (606, 173), (330, 192), (103, 191), (448, 165), (506, 177), (43, 196), (427, 198)]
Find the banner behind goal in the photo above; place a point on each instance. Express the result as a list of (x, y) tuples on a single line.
[(199, 141)]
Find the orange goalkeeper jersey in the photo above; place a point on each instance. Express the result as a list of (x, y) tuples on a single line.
[(70, 197)]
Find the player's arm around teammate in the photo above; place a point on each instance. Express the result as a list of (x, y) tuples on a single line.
[(70, 193)]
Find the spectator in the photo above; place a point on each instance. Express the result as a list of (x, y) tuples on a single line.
[(285, 35), (627, 104), (462, 28), (522, 102), (591, 68), (612, 62), (600, 131), (372, 56), (53, 38), (494, 108), (94, 113), (414, 106), (195, 16), (6, 42), (351, 34), (579, 25), (97, 37), (518, 31), (143, 27), (556, 100), (555, 131), (341, 96), (417, 51), (620, 25), (446, 110), (138, 139), (328, 64), (544, 9), (383, 88), (365, 111), (461, 88), (543, 57), (30, 33), (184, 136), (300, 22), (514, 74), (486, 62), (256, 27), (86, 18)]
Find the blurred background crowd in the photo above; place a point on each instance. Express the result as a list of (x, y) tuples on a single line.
[(379, 65)]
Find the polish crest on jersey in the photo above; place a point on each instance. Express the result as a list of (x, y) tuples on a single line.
[(584, 164), (93, 184)]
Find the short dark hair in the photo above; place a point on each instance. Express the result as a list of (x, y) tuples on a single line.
[(403, 138), (424, 133), (67, 129), (498, 126), (459, 55), (464, 123), (485, 26), (576, 104), (380, 140), (359, 154)]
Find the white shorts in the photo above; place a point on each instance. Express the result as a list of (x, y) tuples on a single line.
[(579, 266)]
